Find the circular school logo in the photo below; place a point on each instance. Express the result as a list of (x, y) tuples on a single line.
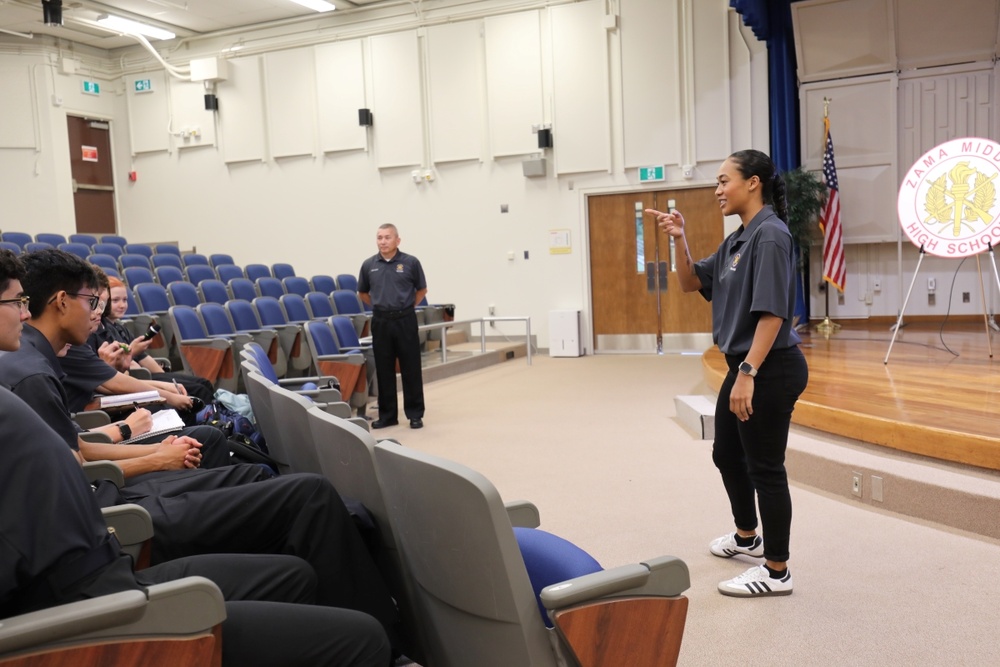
[(948, 200)]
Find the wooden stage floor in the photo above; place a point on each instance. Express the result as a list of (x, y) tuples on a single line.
[(927, 400)]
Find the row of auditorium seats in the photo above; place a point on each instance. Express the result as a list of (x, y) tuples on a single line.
[(477, 582)]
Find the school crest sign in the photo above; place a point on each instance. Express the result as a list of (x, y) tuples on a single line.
[(948, 201)]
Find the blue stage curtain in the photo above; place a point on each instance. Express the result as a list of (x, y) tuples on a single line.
[(771, 22)]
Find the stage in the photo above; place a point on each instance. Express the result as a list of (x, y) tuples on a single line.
[(927, 400)]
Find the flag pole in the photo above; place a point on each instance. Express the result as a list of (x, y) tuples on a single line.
[(827, 326)]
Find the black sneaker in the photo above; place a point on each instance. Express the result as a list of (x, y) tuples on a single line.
[(383, 423)]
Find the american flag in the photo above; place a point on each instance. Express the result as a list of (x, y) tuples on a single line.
[(834, 266)]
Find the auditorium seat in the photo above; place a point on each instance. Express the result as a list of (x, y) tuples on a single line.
[(35, 246), (119, 241), (195, 273), (242, 288), (271, 314), (86, 239), (104, 261), (161, 259), (211, 358), (167, 249), (139, 249), (164, 625), (282, 271), (168, 274), (219, 259), (296, 285), (348, 367), (20, 239), (112, 249), (50, 238), (323, 283), (213, 291), (135, 275), (269, 287), (346, 302), (475, 577), (194, 259), (218, 324), (13, 247), (295, 308), (128, 260), (347, 281), (81, 250), (255, 271), (183, 293), (320, 306), (227, 272)]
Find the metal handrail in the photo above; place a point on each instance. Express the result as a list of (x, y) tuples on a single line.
[(482, 332)]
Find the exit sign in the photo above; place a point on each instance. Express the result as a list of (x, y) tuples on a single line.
[(647, 174), (91, 87), (143, 86)]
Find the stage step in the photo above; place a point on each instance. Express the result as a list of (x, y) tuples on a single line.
[(697, 415)]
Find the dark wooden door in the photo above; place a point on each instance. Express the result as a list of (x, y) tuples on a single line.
[(93, 180), (621, 244)]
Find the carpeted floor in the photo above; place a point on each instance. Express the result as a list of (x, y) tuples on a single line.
[(593, 443)]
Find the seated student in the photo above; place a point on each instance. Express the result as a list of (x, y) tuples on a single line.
[(193, 511), (269, 617), (112, 334)]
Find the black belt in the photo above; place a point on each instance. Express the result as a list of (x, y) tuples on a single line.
[(392, 314)]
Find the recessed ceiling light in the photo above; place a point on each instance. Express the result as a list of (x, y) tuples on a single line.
[(316, 5), (130, 27)]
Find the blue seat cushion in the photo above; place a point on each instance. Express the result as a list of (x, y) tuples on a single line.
[(550, 559)]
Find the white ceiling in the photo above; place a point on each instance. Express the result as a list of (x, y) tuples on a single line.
[(185, 18)]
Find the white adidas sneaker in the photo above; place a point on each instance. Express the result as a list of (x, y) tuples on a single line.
[(726, 547), (757, 582)]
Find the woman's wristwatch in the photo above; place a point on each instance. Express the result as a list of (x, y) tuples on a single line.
[(747, 369)]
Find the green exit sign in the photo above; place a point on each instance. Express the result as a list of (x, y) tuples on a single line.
[(91, 87), (143, 86), (647, 174)]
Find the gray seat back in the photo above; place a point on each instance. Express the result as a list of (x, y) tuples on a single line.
[(290, 409), (472, 588)]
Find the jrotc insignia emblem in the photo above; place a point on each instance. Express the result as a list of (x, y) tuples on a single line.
[(399, 268), (735, 261)]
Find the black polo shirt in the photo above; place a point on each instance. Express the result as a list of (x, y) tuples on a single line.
[(751, 273), (34, 375), (84, 371), (392, 284)]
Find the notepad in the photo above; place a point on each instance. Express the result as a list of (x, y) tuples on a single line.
[(165, 422), (128, 400)]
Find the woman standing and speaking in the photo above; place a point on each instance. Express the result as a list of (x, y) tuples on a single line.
[(750, 282)]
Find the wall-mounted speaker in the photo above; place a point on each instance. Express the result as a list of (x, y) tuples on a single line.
[(365, 117), (211, 102), (545, 138)]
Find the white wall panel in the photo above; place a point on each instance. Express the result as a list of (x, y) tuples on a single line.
[(17, 129), (187, 112), (838, 38), (650, 80), (862, 121), (340, 92), (513, 82), (397, 108), (148, 113), (713, 141), (290, 96), (581, 122), (241, 111), (455, 73), (931, 32)]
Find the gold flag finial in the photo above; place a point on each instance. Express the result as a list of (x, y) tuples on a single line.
[(826, 107)]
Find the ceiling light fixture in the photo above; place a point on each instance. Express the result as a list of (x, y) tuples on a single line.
[(316, 5), (130, 27)]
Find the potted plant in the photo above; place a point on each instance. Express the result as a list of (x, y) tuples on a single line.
[(806, 195)]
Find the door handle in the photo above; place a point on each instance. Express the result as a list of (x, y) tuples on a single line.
[(87, 186), (651, 276)]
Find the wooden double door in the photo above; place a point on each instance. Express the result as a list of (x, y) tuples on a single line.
[(631, 305)]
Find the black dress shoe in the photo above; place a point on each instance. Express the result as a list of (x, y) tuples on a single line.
[(416, 423), (382, 423)]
